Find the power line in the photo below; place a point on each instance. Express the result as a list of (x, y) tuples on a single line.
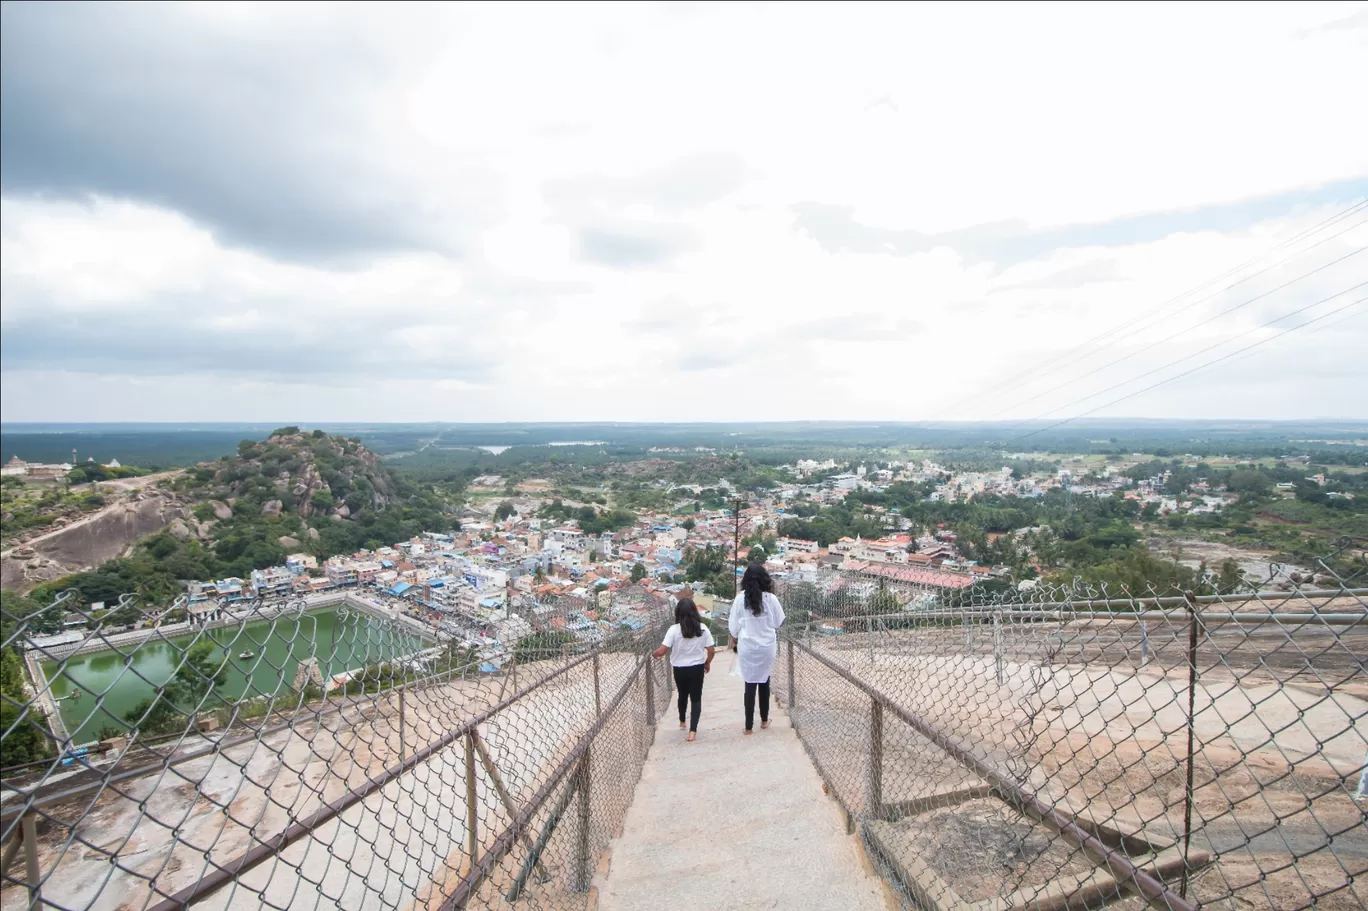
[(1178, 376), (1189, 357), (1314, 229), (1170, 338)]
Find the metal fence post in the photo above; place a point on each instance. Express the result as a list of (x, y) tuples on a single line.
[(1144, 644), (29, 827), (402, 716), (876, 749), (792, 689), (1193, 621), (472, 816), (999, 663), (650, 694), (598, 698), (582, 854)]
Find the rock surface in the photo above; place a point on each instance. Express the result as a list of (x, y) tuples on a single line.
[(222, 510), (271, 508)]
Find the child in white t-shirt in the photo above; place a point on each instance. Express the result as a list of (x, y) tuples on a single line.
[(690, 646)]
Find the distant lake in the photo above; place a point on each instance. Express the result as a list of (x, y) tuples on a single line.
[(496, 450)]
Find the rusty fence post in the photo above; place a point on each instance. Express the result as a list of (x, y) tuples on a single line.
[(650, 693), (582, 852), (598, 697), (29, 826), (472, 814), (876, 751), (792, 685), (999, 660), (403, 754), (1193, 621)]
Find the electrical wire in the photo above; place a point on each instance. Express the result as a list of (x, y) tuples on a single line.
[(1036, 371), (1189, 357), (1211, 363), (1170, 338)]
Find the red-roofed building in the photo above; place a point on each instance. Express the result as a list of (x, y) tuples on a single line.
[(907, 575)]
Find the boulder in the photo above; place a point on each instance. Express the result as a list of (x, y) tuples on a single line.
[(313, 534), (288, 542), (272, 508), (343, 511), (222, 510), (179, 530), (336, 518)]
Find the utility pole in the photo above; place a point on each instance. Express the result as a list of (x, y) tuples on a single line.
[(736, 543)]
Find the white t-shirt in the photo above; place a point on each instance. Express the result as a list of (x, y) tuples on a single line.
[(687, 652)]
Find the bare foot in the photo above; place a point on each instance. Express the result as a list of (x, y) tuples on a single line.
[(748, 732), (764, 724), (683, 726), (692, 735)]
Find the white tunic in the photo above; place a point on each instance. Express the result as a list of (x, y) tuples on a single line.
[(756, 643)]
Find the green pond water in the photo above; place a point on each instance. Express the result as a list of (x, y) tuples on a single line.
[(111, 684)]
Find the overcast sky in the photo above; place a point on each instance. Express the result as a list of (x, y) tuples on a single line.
[(682, 211)]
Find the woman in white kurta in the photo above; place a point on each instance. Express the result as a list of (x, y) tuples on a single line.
[(755, 616)]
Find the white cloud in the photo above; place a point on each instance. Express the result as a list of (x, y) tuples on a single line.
[(653, 213)]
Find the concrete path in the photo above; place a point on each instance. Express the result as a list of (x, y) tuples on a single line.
[(733, 822)]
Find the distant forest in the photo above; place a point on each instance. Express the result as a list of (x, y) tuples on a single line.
[(435, 446)]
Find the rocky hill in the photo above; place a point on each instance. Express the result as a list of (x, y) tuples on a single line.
[(291, 492), (79, 541), (309, 475)]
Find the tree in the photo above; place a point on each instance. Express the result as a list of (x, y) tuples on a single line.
[(688, 525), (1249, 481), (504, 510), (638, 572), (154, 716), (883, 601), (757, 555), (1230, 579), (547, 643), (26, 740), (290, 431), (322, 500), (198, 676)]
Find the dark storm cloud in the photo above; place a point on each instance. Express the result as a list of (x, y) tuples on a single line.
[(257, 134), (1011, 242)]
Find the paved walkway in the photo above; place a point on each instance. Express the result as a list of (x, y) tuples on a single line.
[(733, 822)]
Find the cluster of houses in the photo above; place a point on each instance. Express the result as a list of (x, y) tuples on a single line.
[(499, 575)]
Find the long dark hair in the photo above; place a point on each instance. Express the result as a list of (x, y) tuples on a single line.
[(755, 583), (686, 615)]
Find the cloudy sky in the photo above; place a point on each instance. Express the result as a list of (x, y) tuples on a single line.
[(681, 211)]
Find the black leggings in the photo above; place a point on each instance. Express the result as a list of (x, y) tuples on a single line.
[(750, 703), (689, 682)]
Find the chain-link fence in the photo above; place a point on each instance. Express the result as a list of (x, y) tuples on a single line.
[(349, 751), (1078, 747)]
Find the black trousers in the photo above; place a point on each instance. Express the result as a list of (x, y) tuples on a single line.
[(750, 703), (689, 682)]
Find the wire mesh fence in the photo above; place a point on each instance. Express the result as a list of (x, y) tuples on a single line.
[(329, 752), (1075, 747)]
